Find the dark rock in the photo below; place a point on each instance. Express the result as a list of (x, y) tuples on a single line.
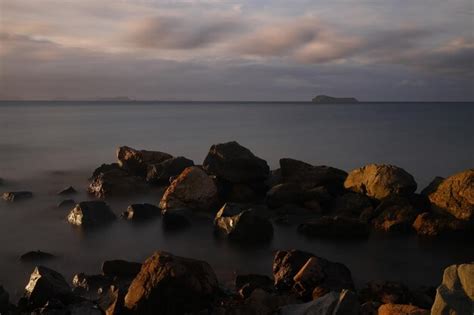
[(17, 195), (396, 215), (246, 284), (169, 284), (401, 309), (36, 256), (111, 301), (333, 303), (104, 168), (55, 307), (432, 224), (369, 308), (176, 219), (321, 195), (137, 161), (66, 203), (432, 186), (90, 286), (351, 204), (141, 212), (120, 268), (379, 181), (116, 183), (335, 227), (385, 292), (242, 225), (67, 191), (455, 195), (242, 193), (4, 301), (162, 172), (91, 213), (283, 194), (236, 164), (193, 189)]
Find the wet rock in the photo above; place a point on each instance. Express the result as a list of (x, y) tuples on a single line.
[(169, 284), (401, 309), (90, 286), (432, 224), (111, 301), (303, 272), (176, 219), (91, 213), (309, 176), (455, 295), (120, 268), (379, 181), (432, 186), (162, 172), (242, 225), (193, 189), (67, 191), (351, 204), (283, 194), (396, 215), (333, 303), (334, 227), (116, 183), (137, 161), (246, 284), (104, 168), (234, 163), (67, 203), (141, 212), (45, 284), (455, 195), (36, 256), (4, 301), (17, 195)]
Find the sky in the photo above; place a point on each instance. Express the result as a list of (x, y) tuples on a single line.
[(262, 50)]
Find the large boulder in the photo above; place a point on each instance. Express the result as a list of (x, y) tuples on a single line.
[(309, 176), (169, 284), (91, 213), (334, 227), (104, 168), (137, 161), (12, 196), (455, 295), (116, 182), (379, 181), (242, 225), (395, 214), (433, 224), (304, 273), (234, 163), (283, 194), (351, 204), (160, 173), (193, 189), (401, 309), (141, 211), (455, 195)]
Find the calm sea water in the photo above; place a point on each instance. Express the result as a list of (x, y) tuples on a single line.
[(45, 146)]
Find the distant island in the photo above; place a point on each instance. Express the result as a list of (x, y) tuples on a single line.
[(324, 99)]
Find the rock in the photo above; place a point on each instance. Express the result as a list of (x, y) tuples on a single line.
[(309, 176), (193, 189), (137, 161), (104, 168), (111, 302), (455, 195), (160, 173), (246, 284), (36, 256), (17, 195), (67, 203), (335, 227), (379, 181), (369, 308), (242, 225), (176, 219), (67, 191), (283, 194), (333, 303), (351, 204), (432, 224), (385, 292), (432, 186), (243, 193), (45, 284), (304, 272), (401, 309), (141, 212), (234, 163), (4, 301), (55, 307), (455, 295), (321, 195), (169, 284), (120, 268), (396, 215), (91, 213), (116, 183), (90, 286)]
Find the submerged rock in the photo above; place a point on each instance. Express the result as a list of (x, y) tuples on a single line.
[(401, 309), (193, 189), (66, 203), (17, 195), (332, 303), (91, 213), (433, 224), (141, 212), (116, 183), (161, 173), (36, 256), (137, 161), (120, 268), (234, 163), (176, 219), (335, 227), (455, 195), (67, 191), (169, 284), (379, 181)]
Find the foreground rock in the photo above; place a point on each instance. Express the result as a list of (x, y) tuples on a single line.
[(242, 225), (234, 163), (91, 213), (17, 195), (455, 195), (137, 161), (193, 189), (379, 181), (455, 295), (36, 256), (162, 172), (401, 309), (169, 284), (116, 182), (246, 284), (332, 303), (432, 224), (335, 227), (4, 301), (141, 212)]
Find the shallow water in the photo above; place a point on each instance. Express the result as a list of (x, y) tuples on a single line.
[(45, 146)]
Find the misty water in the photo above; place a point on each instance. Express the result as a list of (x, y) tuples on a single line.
[(46, 146)]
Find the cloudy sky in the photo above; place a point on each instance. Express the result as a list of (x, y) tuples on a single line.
[(237, 50)]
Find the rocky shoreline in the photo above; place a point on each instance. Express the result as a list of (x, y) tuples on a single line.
[(243, 199)]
